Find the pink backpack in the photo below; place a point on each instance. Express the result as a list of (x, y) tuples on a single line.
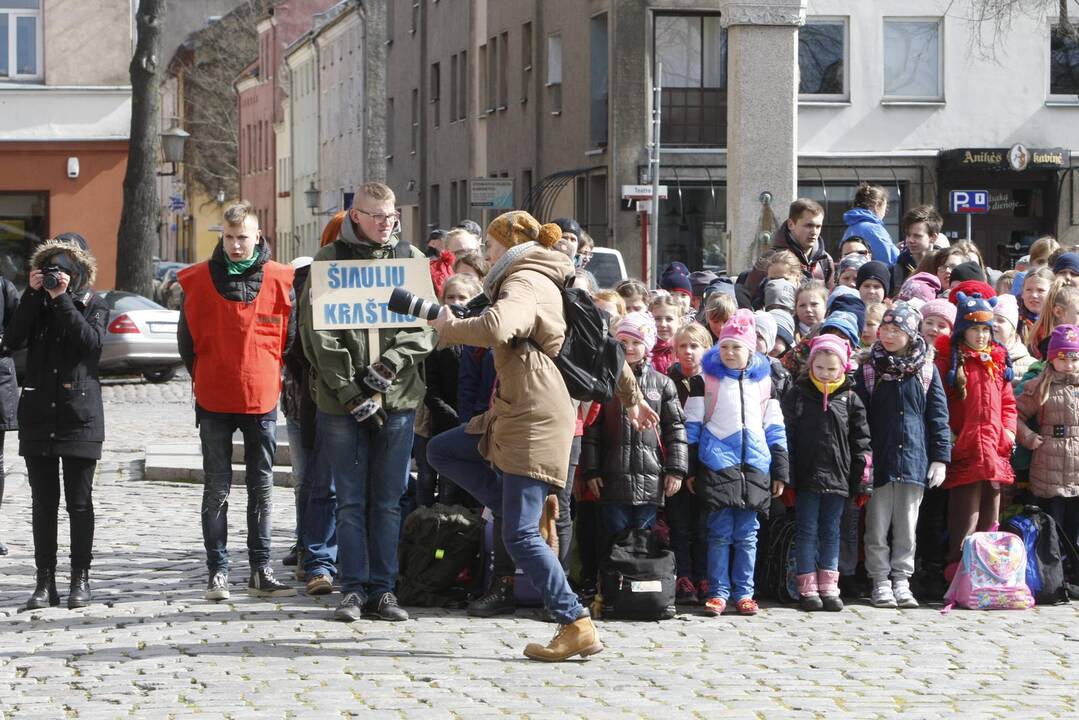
[(991, 575)]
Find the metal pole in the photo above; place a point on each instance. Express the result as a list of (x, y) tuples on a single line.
[(657, 100), (970, 218)]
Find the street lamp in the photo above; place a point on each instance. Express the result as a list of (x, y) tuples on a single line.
[(172, 145), (311, 196)]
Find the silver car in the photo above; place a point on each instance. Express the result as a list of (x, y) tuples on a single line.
[(140, 337)]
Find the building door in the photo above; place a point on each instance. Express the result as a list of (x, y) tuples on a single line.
[(24, 222)]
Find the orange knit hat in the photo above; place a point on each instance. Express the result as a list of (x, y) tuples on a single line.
[(517, 226)]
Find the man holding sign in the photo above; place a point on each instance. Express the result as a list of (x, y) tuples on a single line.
[(367, 363)]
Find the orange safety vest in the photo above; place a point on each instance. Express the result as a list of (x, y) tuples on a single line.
[(238, 346)]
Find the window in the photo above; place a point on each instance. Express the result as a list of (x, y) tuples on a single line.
[(20, 39), (415, 18), (503, 71), (554, 72), (492, 74), (912, 60), (436, 88), (453, 199), (462, 86), (1063, 65), (526, 188), (693, 50), (389, 21), (822, 59), (482, 88), (598, 80), (415, 139), (453, 87), (24, 222), (433, 222), (526, 60), (462, 197)]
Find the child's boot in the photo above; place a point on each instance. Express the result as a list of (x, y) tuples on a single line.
[(807, 589), (882, 594), (828, 585)]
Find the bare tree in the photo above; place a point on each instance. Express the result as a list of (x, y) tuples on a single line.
[(138, 220), (991, 19)]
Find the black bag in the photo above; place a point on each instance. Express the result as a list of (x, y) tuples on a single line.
[(590, 359), (437, 544), (1051, 576), (776, 577), (636, 580)]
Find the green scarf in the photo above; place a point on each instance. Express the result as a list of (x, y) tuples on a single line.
[(241, 266)]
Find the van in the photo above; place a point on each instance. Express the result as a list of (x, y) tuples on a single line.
[(607, 267)]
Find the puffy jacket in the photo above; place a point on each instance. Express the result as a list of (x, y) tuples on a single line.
[(781, 379), (1054, 468), (741, 445), (908, 425), (827, 448), (632, 463), (866, 225)]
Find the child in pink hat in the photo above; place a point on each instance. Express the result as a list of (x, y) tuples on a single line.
[(938, 318)]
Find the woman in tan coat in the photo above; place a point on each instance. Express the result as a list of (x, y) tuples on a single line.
[(527, 433)]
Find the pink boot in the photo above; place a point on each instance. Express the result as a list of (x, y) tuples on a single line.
[(828, 584), (807, 589)]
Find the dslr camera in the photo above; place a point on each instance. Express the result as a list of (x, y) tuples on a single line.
[(403, 302), (50, 276)]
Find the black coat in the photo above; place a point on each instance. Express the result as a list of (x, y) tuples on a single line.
[(828, 448), (9, 387), (631, 463), (442, 368), (60, 411), (296, 399)]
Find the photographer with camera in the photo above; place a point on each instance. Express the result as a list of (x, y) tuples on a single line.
[(366, 412), (61, 418)]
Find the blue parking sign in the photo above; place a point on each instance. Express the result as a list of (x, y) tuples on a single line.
[(968, 202)]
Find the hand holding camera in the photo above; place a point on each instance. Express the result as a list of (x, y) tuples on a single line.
[(51, 279)]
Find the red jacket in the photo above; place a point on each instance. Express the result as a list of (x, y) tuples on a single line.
[(982, 449)]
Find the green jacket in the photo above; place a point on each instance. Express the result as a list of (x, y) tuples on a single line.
[(339, 357)]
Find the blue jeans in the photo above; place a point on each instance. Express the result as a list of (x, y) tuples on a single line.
[(518, 501), (302, 467), (817, 519), (319, 528), (726, 527), (623, 516), (370, 473), (260, 442)]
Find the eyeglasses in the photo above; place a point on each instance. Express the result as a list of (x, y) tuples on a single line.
[(379, 217), (1067, 355)]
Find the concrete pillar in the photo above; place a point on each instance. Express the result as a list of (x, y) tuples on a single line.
[(762, 112)]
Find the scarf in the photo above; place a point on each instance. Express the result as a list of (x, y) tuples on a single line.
[(241, 266), (826, 389), (893, 366), (984, 356), (662, 356), (494, 277)]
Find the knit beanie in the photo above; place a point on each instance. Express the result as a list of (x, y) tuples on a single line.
[(674, 280), (837, 291), (851, 261), (969, 270), (742, 329), (924, 286), (722, 285), (779, 293), (833, 344), (940, 308), (876, 270), (971, 287), (1067, 261), (851, 304), (784, 326), (972, 311), (1008, 308), (700, 280), (766, 328), (905, 317), (677, 267), (844, 322), (1065, 338), (517, 227), (637, 326)]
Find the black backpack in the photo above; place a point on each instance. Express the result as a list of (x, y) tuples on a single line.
[(590, 359), (636, 579), (775, 571), (437, 544), (1052, 575)]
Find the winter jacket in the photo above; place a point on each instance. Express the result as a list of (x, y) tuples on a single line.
[(1021, 359), (866, 225), (296, 400), (529, 427), (475, 382), (339, 358), (685, 386), (781, 379), (904, 267), (1054, 469), (60, 410), (908, 425), (741, 445), (631, 463), (827, 449), (982, 450), (817, 265), (441, 368), (9, 387)]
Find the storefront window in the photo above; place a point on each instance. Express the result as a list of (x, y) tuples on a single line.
[(692, 223), (1063, 64), (838, 198), (23, 224)]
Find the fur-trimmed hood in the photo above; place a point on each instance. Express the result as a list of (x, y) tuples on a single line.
[(81, 257), (759, 367)]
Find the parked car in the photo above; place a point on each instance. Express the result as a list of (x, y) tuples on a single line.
[(607, 267)]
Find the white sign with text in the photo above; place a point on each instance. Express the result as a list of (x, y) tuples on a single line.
[(352, 294)]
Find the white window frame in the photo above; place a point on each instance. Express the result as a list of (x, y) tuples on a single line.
[(844, 96), (1051, 98), (13, 15), (554, 43), (939, 99)]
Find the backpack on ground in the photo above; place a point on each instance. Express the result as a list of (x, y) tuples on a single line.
[(776, 574), (590, 359), (991, 574), (1050, 576), (438, 543), (636, 579), (525, 594)]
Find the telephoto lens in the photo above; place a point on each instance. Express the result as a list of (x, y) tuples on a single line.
[(403, 302)]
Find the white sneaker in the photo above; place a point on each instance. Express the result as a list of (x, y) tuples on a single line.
[(882, 595), (904, 598)]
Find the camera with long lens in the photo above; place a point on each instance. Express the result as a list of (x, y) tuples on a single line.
[(403, 302), (50, 276)]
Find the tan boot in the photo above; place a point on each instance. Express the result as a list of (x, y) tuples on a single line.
[(577, 638), (547, 528)]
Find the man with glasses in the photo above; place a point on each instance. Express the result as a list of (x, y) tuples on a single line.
[(366, 409)]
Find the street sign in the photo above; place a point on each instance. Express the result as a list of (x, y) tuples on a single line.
[(353, 294), (968, 202), (642, 192), (493, 193), (177, 203)]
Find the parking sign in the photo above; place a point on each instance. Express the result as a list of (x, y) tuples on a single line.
[(968, 202)]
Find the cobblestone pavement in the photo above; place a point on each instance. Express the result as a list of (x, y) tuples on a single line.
[(150, 647)]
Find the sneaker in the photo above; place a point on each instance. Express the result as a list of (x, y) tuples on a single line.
[(319, 585), (715, 606), (218, 587), (904, 598), (264, 584), (350, 608), (384, 607), (293, 557), (747, 606), (882, 595), (684, 592)]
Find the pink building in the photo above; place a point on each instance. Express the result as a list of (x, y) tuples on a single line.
[(261, 103)]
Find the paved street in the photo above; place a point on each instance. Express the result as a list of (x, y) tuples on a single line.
[(151, 647)]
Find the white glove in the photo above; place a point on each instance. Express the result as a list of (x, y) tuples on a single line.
[(936, 473)]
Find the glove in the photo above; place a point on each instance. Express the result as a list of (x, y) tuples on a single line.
[(936, 473), (379, 377), (368, 412)]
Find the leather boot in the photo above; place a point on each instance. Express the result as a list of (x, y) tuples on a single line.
[(498, 600), (548, 517), (807, 590), (828, 583), (79, 594), (44, 594), (576, 638)]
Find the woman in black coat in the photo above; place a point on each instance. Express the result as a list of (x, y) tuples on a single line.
[(9, 388), (61, 419)]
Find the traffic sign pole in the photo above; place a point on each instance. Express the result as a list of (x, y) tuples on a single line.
[(970, 219)]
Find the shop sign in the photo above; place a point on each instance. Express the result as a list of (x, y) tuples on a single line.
[(1017, 158), (492, 193)]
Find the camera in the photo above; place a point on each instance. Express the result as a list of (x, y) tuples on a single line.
[(50, 276), (403, 302)]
